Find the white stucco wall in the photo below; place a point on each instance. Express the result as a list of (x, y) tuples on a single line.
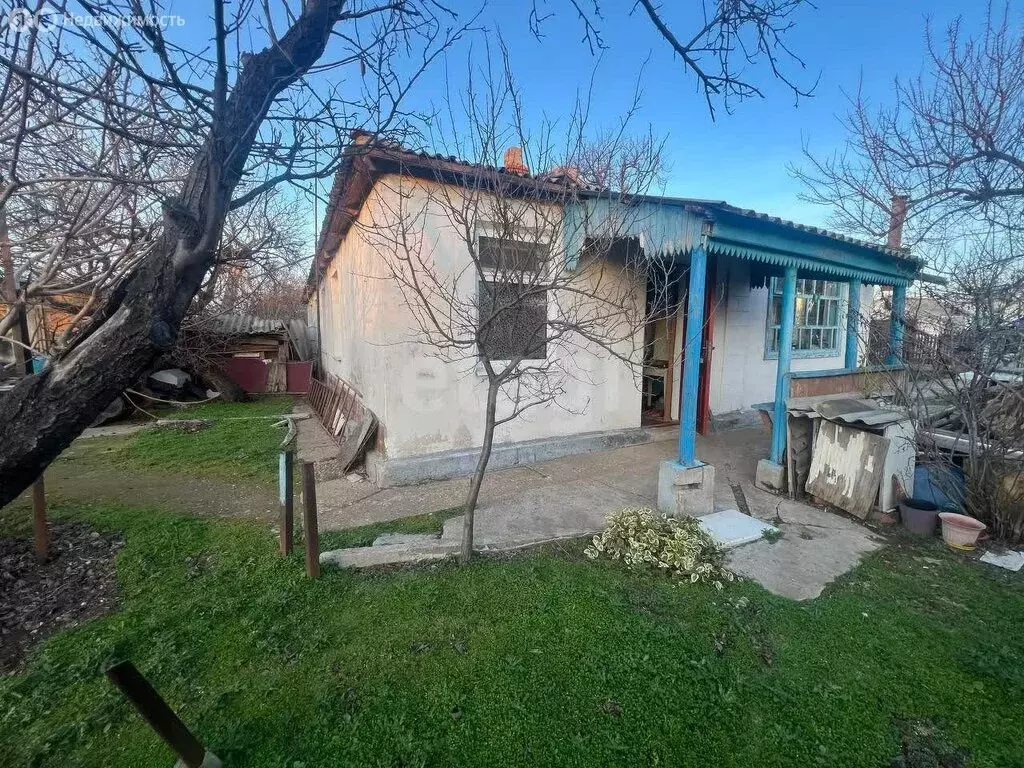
[(426, 404), (742, 374)]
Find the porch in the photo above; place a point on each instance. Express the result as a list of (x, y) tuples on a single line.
[(697, 236)]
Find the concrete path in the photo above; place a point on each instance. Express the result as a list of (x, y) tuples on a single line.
[(114, 430), (573, 496)]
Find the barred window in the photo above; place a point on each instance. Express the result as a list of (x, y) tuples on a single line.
[(512, 301), (816, 325)]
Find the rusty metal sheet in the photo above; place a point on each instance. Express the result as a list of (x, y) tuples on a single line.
[(847, 467)]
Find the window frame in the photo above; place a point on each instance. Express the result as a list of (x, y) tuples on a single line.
[(491, 274), (839, 299)]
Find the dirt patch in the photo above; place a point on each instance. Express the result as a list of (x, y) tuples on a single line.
[(76, 584), (88, 472)]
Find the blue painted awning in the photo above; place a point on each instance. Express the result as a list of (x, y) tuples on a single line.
[(672, 227)]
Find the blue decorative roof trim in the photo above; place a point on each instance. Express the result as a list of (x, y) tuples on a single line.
[(669, 227), (807, 267)]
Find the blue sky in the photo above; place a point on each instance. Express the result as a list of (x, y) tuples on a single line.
[(739, 157)]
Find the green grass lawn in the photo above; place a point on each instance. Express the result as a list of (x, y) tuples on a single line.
[(540, 659), (235, 446)]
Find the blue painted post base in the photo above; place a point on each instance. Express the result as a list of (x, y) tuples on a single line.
[(770, 476), (686, 491)]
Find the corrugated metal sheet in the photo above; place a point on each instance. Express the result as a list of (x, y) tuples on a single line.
[(853, 411), (244, 325), (663, 229)]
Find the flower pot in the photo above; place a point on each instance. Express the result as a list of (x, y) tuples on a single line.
[(919, 516), (960, 531)]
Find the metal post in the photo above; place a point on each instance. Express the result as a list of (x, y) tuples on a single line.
[(160, 717), (310, 530), (785, 359), (691, 359), (40, 532), (853, 323), (286, 473), (897, 323)]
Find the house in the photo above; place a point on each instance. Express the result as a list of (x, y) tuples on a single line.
[(773, 299), (47, 319)]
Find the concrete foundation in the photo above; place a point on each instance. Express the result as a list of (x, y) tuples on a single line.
[(387, 472), (770, 476), (686, 491)]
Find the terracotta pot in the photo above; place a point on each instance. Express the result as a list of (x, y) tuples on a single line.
[(960, 531)]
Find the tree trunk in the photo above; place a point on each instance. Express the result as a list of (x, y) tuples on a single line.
[(469, 509), (140, 320)]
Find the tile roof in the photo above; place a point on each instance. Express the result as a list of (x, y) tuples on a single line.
[(366, 145)]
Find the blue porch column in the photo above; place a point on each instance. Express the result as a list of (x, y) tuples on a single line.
[(852, 323), (785, 359), (691, 359), (897, 323)]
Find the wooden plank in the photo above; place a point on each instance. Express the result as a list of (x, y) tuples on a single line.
[(790, 458), (310, 525), (847, 468), (155, 711)]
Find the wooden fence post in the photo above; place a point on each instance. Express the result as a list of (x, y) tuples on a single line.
[(161, 718), (40, 532), (310, 530), (285, 483)]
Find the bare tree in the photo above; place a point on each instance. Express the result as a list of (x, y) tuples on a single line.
[(525, 295), (248, 133), (964, 353), (723, 43), (223, 126), (950, 148), (951, 142)]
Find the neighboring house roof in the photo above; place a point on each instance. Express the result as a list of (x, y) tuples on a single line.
[(295, 331), (364, 161), (245, 325)]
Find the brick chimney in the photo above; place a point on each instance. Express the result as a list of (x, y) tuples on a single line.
[(514, 161), (897, 217)]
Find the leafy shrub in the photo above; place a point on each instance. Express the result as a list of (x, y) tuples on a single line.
[(643, 538)]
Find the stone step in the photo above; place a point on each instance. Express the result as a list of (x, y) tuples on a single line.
[(408, 539), (388, 554)]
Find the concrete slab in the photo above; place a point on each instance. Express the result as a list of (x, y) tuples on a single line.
[(407, 539), (114, 430), (388, 554), (313, 443), (731, 528), (805, 559), (544, 514), (572, 496)]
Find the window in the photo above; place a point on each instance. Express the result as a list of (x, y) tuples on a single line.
[(816, 325), (512, 300)]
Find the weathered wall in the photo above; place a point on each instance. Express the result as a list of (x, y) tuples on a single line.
[(426, 404), (742, 374)]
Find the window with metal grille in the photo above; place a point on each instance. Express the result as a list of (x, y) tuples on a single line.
[(512, 300), (816, 324)]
